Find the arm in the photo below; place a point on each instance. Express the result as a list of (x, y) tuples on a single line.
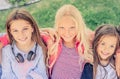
[(6, 66), (47, 39), (4, 40), (117, 63), (1, 52), (49, 31), (90, 35), (40, 71)]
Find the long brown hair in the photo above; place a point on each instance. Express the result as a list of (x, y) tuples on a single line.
[(101, 31), (17, 14)]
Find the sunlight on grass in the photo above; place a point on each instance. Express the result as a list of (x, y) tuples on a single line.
[(95, 12)]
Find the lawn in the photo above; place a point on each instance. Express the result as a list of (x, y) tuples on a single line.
[(94, 12)]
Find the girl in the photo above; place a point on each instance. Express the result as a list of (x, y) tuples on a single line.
[(71, 49), (24, 57), (105, 42)]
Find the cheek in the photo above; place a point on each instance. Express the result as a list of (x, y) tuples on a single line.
[(112, 51), (74, 31), (13, 34), (60, 32), (98, 49), (29, 31), (32, 29)]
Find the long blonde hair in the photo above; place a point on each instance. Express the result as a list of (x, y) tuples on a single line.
[(70, 10)]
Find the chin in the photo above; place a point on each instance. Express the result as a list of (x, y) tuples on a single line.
[(105, 59), (68, 40)]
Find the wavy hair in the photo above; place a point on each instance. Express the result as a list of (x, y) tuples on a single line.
[(82, 36)]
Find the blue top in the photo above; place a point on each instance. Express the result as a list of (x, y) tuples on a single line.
[(11, 69)]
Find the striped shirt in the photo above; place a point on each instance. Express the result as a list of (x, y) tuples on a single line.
[(67, 65), (107, 72)]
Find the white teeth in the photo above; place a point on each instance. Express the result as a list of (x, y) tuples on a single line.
[(105, 53), (23, 39)]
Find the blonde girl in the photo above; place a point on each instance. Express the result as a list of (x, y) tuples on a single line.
[(71, 49)]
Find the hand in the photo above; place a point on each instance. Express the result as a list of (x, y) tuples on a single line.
[(117, 62), (51, 32), (34, 75), (89, 57)]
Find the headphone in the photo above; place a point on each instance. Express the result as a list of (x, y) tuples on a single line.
[(20, 59)]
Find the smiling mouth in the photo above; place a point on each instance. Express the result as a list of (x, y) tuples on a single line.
[(23, 39), (105, 53)]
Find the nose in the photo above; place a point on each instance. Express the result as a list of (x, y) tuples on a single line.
[(21, 34), (67, 31), (106, 48)]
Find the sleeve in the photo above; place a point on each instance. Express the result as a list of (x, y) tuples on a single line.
[(47, 40), (40, 71), (45, 37), (2, 34), (7, 72), (4, 39)]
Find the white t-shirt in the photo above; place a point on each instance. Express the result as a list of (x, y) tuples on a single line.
[(107, 72)]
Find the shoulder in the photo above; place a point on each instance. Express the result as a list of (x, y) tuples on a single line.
[(39, 47), (88, 67), (6, 50), (8, 47), (39, 50), (87, 72)]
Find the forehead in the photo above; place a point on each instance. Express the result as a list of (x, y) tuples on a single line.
[(19, 23), (66, 21), (108, 38)]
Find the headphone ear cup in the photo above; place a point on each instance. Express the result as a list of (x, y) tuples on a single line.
[(31, 56), (19, 58)]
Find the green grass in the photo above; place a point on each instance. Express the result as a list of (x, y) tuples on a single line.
[(94, 12)]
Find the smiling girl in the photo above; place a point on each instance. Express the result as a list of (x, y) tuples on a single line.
[(23, 58)]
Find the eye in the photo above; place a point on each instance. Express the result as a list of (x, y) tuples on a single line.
[(72, 27), (61, 27), (14, 30), (102, 43), (25, 29), (112, 46)]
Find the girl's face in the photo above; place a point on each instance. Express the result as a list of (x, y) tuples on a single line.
[(21, 31), (67, 29), (106, 47)]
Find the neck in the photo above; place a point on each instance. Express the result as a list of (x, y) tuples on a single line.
[(25, 47), (69, 44), (104, 63)]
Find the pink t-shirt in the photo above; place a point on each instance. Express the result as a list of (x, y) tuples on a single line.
[(67, 65)]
